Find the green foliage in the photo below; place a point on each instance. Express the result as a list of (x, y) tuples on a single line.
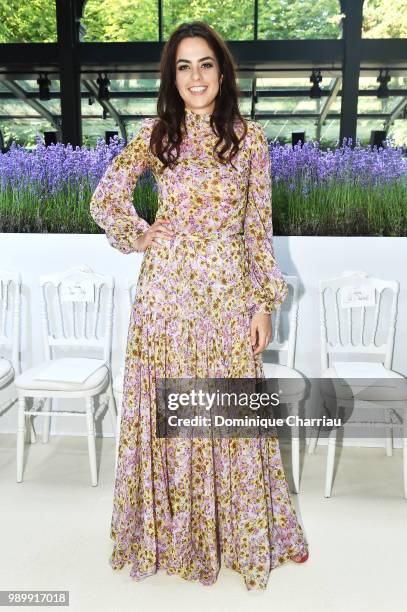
[(33, 21), (137, 20), (340, 209), (284, 20), (121, 20), (384, 19)]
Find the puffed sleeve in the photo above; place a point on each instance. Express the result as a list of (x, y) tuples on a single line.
[(111, 205), (268, 287)]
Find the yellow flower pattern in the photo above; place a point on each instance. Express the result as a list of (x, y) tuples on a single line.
[(185, 505)]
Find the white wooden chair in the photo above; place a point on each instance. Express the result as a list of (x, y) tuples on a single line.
[(358, 317), (10, 332), (76, 313), (118, 380), (278, 370)]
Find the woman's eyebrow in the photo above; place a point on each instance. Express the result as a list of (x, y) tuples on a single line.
[(200, 60)]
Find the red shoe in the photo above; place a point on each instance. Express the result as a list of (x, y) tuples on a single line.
[(299, 559)]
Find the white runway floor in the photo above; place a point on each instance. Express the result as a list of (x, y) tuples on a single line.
[(54, 534)]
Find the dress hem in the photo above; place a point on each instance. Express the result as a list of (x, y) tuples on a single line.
[(260, 586)]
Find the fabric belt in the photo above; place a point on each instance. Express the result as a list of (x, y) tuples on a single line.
[(180, 237)]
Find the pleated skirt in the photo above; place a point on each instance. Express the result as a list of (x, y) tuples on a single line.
[(189, 505)]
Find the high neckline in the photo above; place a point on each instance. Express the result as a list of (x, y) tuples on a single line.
[(195, 119)]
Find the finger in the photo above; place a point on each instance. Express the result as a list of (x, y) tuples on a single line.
[(253, 335), (159, 240), (260, 348), (163, 223), (161, 233), (262, 334), (262, 343)]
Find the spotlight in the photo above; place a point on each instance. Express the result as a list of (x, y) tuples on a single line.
[(103, 83), (315, 78), (383, 79), (44, 83)]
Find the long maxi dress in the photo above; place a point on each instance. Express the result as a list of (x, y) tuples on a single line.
[(186, 504)]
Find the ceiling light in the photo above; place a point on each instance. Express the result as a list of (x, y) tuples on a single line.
[(103, 83), (315, 78), (44, 83), (383, 79)]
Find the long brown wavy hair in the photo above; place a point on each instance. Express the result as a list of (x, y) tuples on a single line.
[(166, 136)]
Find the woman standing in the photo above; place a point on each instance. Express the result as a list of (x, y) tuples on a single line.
[(207, 285)]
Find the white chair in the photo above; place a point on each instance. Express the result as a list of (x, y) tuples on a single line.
[(277, 370), (10, 326), (118, 380), (76, 313), (358, 317)]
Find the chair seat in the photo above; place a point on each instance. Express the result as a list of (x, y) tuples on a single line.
[(292, 391), (27, 379), (6, 371), (384, 390), (278, 370)]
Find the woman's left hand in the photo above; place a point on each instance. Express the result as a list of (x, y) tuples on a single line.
[(260, 332)]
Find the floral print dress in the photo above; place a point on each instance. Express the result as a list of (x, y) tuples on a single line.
[(185, 504)]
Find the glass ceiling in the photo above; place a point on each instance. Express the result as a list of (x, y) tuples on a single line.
[(281, 112)]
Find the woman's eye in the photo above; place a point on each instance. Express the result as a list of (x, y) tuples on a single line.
[(207, 64)]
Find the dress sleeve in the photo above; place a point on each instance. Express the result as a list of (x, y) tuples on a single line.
[(111, 205), (268, 287)]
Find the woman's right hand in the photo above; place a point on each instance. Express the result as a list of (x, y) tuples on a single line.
[(156, 232)]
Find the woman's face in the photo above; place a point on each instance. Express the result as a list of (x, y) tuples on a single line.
[(196, 67)]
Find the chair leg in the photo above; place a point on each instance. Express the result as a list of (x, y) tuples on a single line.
[(47, 421), (33, 436), (389, 433), (330, 462), (295, 459), (112, 407), (313, 440), (292, 410), (21, 429), (30, 431), (404, 439), (119, 401), (90, 420)]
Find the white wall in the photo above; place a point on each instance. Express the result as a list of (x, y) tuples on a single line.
[(310, 258)]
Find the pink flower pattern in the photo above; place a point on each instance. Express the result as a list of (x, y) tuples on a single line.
[(186, 504)]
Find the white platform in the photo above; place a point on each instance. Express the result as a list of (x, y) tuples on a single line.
[(57, 528), (308, 257)]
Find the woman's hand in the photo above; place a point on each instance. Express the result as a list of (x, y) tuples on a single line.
[(260, 332), (157, 231)]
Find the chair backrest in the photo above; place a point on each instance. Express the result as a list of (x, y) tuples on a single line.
[(77, 310), (289, 308), (10, 316), (358, 316)]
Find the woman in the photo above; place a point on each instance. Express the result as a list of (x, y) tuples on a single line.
[(207, 285)]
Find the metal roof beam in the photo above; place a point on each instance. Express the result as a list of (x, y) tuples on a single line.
[(261, 93), (250, 54), (92, 87), (396, 112), (19, 93), (327, 105)]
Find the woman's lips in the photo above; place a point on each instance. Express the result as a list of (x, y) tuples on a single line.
[(197, 93)]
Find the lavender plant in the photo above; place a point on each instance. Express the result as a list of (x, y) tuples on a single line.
[(343, 191)]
